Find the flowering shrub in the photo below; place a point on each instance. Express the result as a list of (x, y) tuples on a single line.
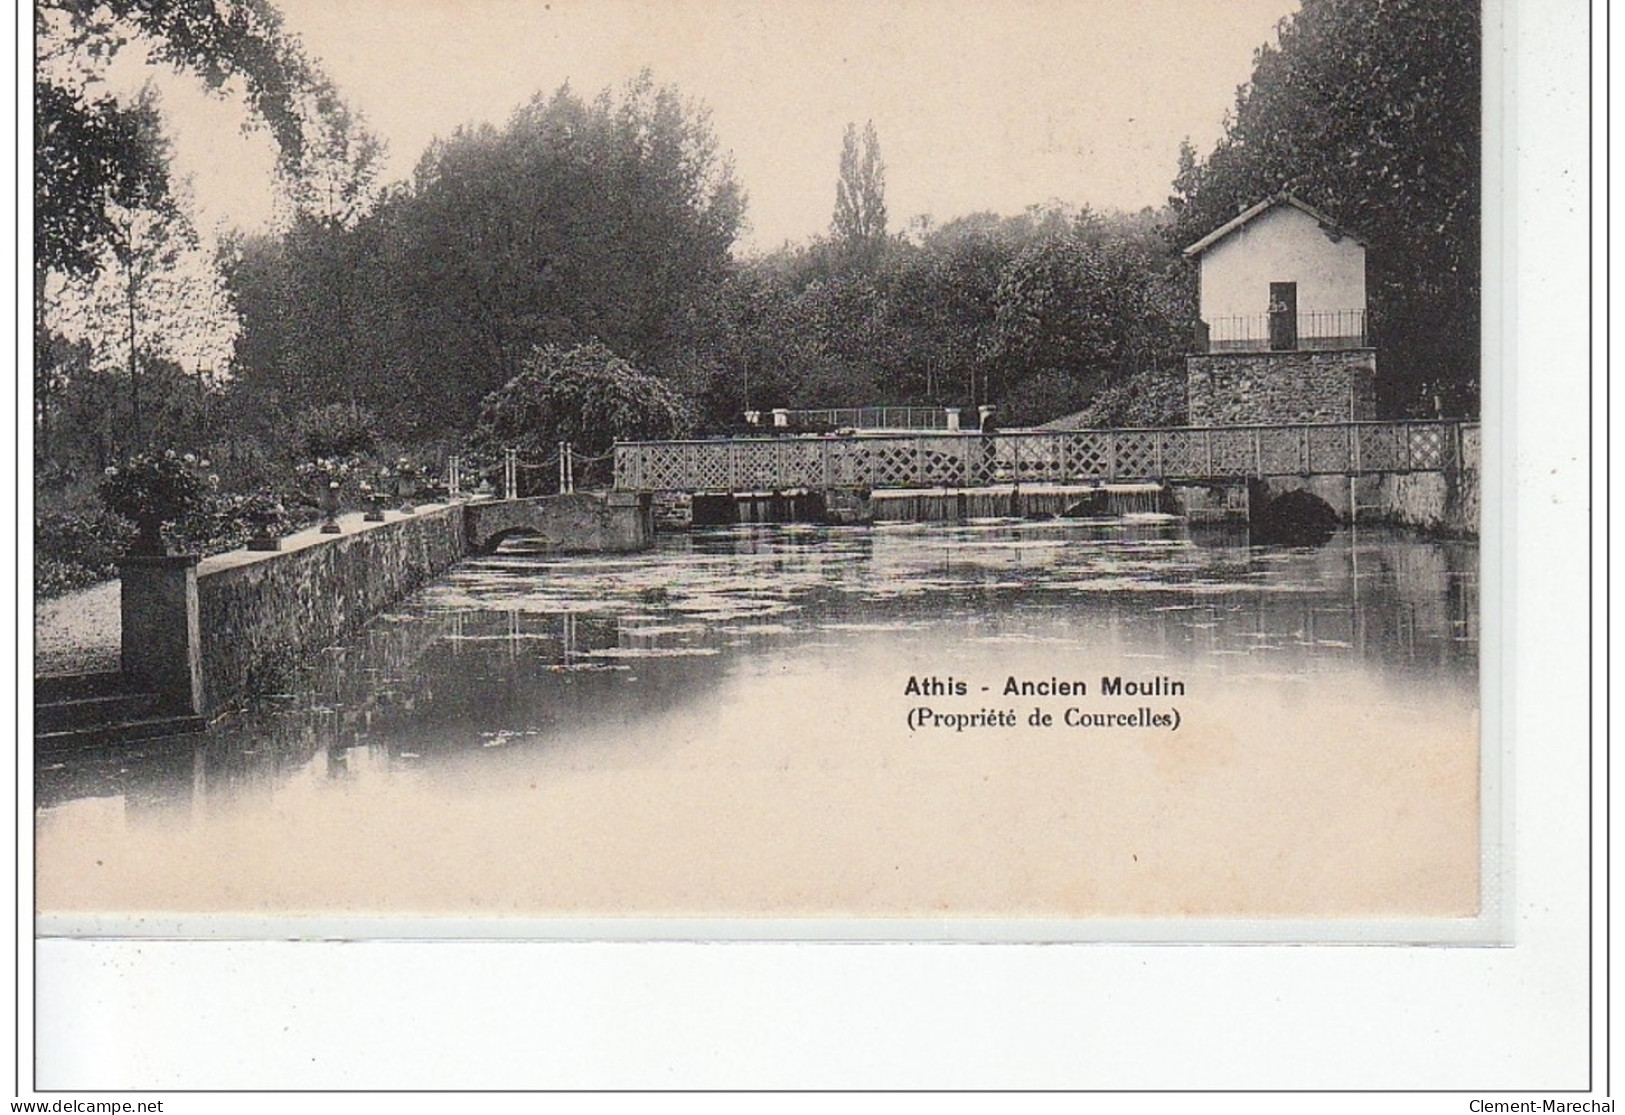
[(158, 490), (76, 548), (263, 514), (326, 470)]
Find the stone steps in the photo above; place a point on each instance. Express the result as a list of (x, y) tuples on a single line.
[(74, 711)]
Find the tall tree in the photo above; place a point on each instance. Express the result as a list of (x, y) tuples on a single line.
[(860, 192), (607, 219), (115, 257), (1370, 109)]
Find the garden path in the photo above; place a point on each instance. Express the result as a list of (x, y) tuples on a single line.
[(78, 633)]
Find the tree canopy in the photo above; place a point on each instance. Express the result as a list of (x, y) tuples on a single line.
[(610, 219), (585, 395), (92, 151)]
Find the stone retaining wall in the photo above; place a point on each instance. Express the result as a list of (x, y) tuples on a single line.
[(261, 617), (1262, 388)]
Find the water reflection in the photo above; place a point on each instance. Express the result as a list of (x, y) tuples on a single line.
[(518, 668)]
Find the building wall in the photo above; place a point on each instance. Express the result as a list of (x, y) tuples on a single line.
[(1261, 388), (1283, 245)]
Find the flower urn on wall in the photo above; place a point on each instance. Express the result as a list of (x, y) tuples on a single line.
[(375, 503), (157, 490), (407, 474), (264, 515), (324, 480)]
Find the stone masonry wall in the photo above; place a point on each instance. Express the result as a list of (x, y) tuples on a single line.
[(1255, 388), (576, 522), (260, 618)]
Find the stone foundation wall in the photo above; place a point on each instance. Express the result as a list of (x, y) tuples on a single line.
[(1436, 502), (260, 618), (1447, 503), (1261, 388), (673, 510)]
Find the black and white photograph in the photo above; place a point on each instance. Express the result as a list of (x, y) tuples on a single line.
[(539, 482), (896, 471)]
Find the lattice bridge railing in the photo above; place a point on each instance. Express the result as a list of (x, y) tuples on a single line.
[(953, 460)]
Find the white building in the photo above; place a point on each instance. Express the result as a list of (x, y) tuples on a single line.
[(1282, 337), (1281, 276)]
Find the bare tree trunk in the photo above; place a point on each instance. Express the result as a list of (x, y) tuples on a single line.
[(135, 382)]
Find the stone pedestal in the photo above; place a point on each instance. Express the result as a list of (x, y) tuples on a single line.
[(953, 419), (162, 647), (781, 417)]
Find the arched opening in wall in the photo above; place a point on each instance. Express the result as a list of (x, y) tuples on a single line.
[(1295, 518), (715, 511), (518, 540)]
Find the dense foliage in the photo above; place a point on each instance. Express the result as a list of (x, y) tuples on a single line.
[(586, 396), (1034, 314), (337, 430), (77, 548), (610, 219)]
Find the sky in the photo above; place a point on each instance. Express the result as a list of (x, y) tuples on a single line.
[(978, 104)]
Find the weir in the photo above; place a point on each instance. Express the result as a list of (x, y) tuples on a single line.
[(1013, 501)]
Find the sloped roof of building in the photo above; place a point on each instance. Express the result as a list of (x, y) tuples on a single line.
[(1246, 216)]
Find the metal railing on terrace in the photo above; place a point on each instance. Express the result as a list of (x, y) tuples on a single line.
[(1310, 330), (868, 418), (968, 460)]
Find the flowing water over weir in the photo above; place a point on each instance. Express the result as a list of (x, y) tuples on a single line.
[(1032, 501), (724, 726)]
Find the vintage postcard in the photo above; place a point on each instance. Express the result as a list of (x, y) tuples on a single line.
[(906, 469)]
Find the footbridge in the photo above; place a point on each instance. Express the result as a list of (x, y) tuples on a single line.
[(940, 459), (572, 522)]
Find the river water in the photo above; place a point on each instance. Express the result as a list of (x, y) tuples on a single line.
[(802, 721)]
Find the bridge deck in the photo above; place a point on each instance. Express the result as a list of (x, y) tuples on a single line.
[(969, 460)]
